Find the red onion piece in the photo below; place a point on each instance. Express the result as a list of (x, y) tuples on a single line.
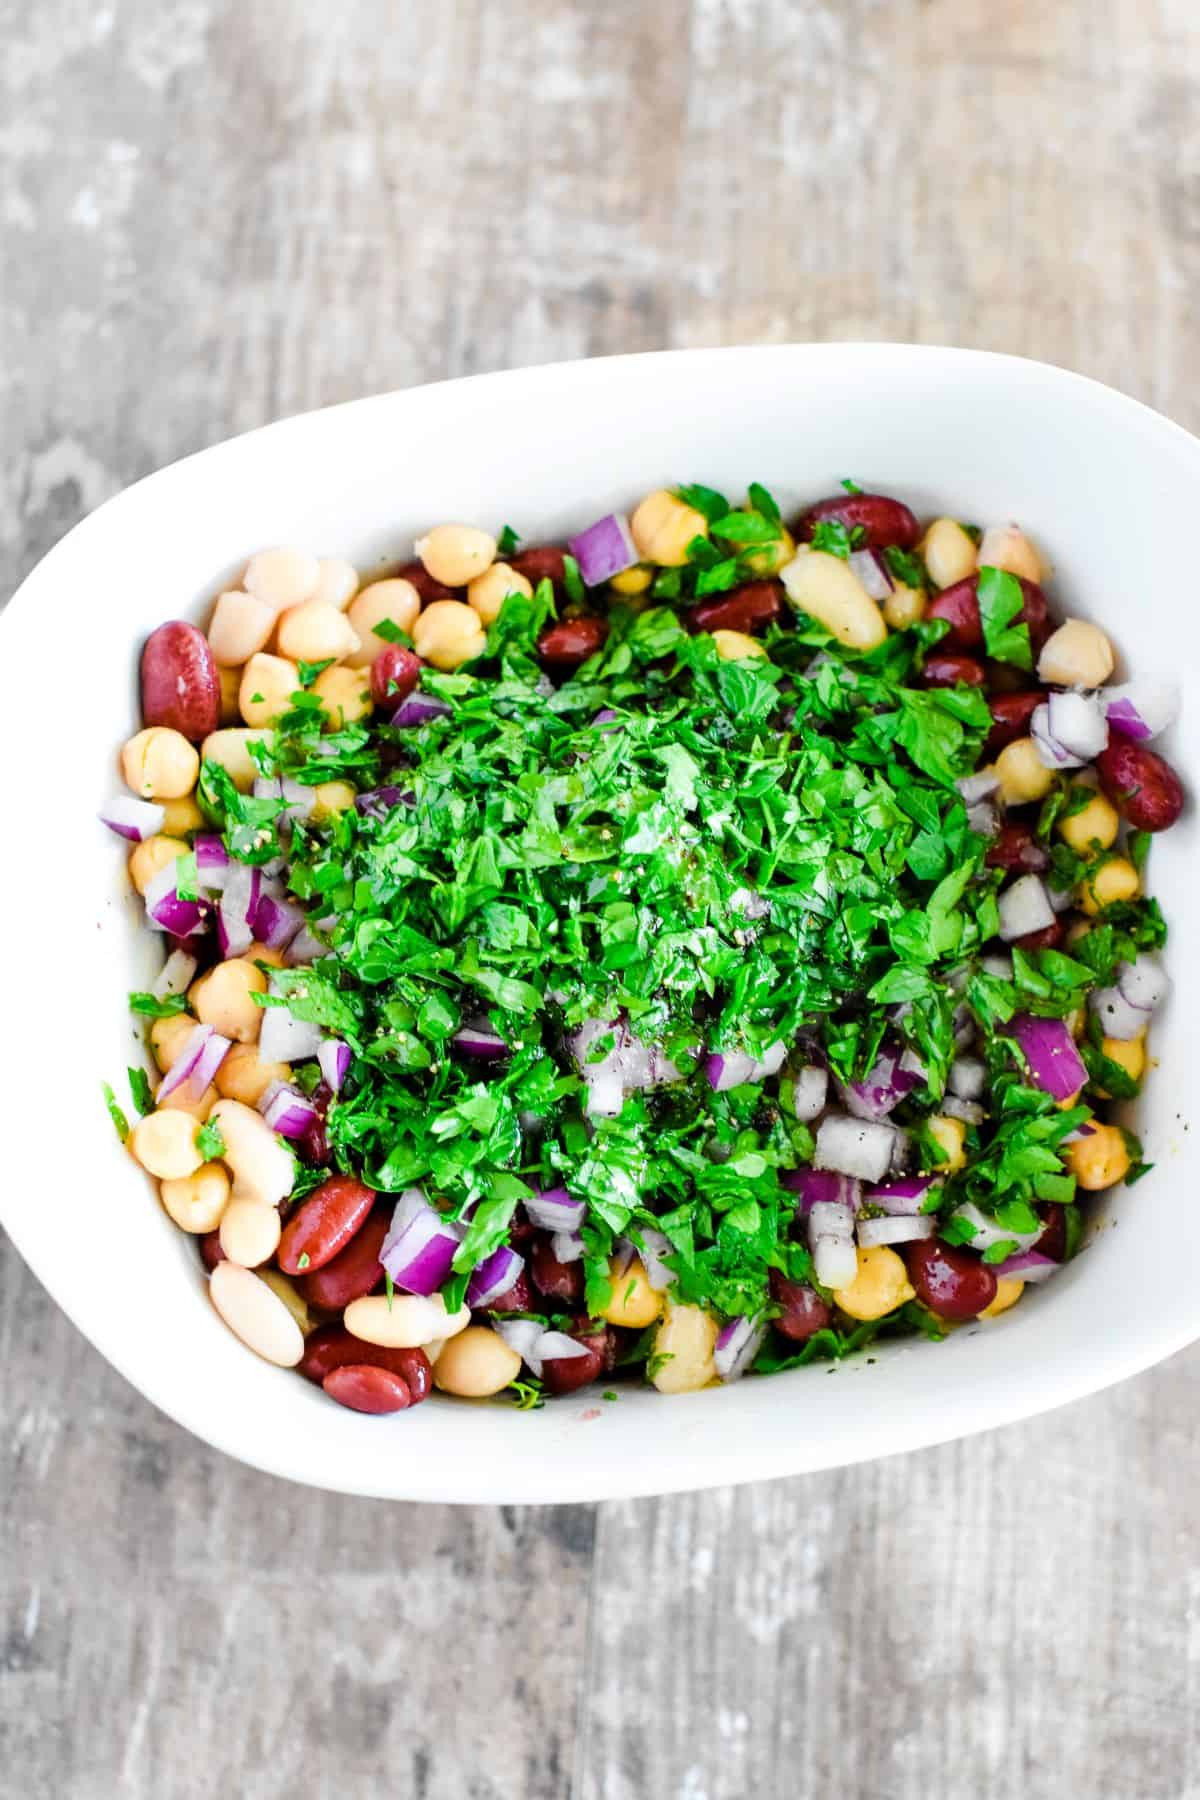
[(987, 1231), (304, 948), (855, 1147), (1024, 906), (523, 1336), (213, 862), (166, 911), (831, 1240), (418, 1257), (298, 797), (554, 1209), (896, 1230), (968, 1077), (1078, 723), (727, 1069), (133, 819), (1027, 1265), (275, 920), (738, 1343), (476, 1038), (419, 709), (813, 1185), (882, 1088), (629, 1066), (284, 1038), (556, 1346), (1054, 1063), (809, 1089), (872, 571), (175, 976), (289, 1112), (567, 1246), (494, 1276), (1118, 1016), (1143, 982), (377, 803), (656, 1246), (333, 1058), (1141, 709), (904, 1198), (978, 787), (236, 908), (180, 1072), (605, 549), (1050, 752)]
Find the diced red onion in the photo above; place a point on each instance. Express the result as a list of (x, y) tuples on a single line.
[(333, 1059), (284, 1038), (813, 1185), (978, 787), (727, 1069), (656, 1246), (629, 1066), (235, 909), (175, 975), (555, 1210), (1060, 898), (872, 571), (749, 903), (296, 795), (556, 1346), (1024, 906), (902, 1198), (999, 966), (881, 1089), (1118, 1016), (987, 1231), (304, 948), (494, 1276), (213, 862), (738, 1343), (810, 1086), (969, 1111), (419, 1255), (133, 819), (419, 709), (1054, 1063), (276, 919), (897, 1230), (605, 549), (1051, 754), (857, 1147), (606, 720), (289, 1112), (567, 1246), (1077, 722), (164, 908), (523, 1336), (377, 803), (831, 1240), (1143, 982), (1141, 709), (968, 1077), (476, 1038), (203, 1052), (1027, 1265)]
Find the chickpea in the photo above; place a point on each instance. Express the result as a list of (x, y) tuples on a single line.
[(182, 815), (223, 999), (950, 553), (1128, 1054), (1076, 655), (488, 592), (950, 1137), (199, 1109), (633, 581), (231, 749), (1007, 547), (476, 1364), (904, 606), (880, 1284), (405, 1322), (231, 681), (263, 1168), (168, 1036), (1009, 1288), (663, 526), (250, 1232), (1023, 775), (456, 554), (151, 856), (733, 646), (316, 632), (1106, 883), (634, 1302), (828, 590), (282, 578), (331, 797), (337, 583), (263, 953), (345, 695), (286, 1291), (767, 559), (1093, 827), (197, 1201), (1099, 1160), (267, 686), (396, 601), (448, 634), (160, 764), (240, 625), (164, 1143), (244, 1076), (685, 1341)]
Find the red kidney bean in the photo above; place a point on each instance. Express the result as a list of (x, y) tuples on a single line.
[(1011, 714), (1141, 784), (517, 1299), (959, 606), (1005, 678), (884, 520), (747, 608), (542, 563), (394, 674), (354, 1271), (1053, 1241), (180, 684), (1014, 847), (1048, 938), (950, 1282), (803, 1313), (566, 1374), (948, 670), (333, 1347), (211, 1252), (324, 1224), (423, 581), (522, 1230), (572, 641), (557, 1280), (366, 1388)]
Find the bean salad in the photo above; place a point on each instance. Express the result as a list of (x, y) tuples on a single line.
[(696, 949)]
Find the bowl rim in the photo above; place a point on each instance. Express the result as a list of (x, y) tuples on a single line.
[(1068, 1380)]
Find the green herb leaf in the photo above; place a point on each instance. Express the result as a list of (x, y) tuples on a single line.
[(1000, 603)]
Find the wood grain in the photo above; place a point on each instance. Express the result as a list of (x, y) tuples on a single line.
[(217, 213)]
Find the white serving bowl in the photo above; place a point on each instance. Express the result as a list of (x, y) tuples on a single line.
[(1106, 486)]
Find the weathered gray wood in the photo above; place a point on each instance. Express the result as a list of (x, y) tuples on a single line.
[(216, 213)]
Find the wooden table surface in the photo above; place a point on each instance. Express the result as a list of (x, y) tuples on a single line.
[(218, 212)]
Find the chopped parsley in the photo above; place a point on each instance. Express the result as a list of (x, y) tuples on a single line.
[(120, 1122), (209, 1141), (1000, 604), (151, 1007)]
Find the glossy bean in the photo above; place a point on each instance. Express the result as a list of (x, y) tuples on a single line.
[(750, 608), (1141, 784), (394, 674), (180, 685), (958, 605), (324, 1224), (519, 1298), (1011, 714), (802, 1311), (366, 1388), (949, 1281), (1053, 1241), (333, 1347), (354, 1271), (567, 1374), (542, 563), (569, 643), (1048, 938), (1014, 847), (256, 1315), (556, 1280), (944, 669), (883, 520), (211, 1252), (419, 577)]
